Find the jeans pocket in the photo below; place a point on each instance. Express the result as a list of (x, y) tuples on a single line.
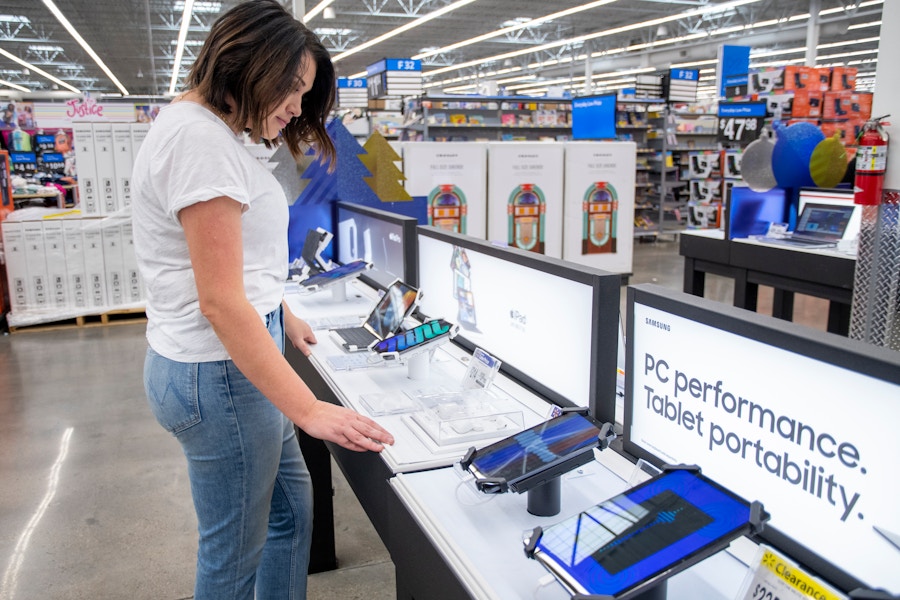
[(172, 393)]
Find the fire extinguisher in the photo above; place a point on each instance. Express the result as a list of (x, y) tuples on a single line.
[(871, 163)]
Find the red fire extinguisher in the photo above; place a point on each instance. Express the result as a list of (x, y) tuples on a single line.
[(871, 163)]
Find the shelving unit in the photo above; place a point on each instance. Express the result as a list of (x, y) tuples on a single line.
[(664, 138), (490, 118)]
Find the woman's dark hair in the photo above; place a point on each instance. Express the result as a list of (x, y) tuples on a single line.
[(253, 54)]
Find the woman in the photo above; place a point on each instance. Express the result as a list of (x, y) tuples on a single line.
[(211, 240)]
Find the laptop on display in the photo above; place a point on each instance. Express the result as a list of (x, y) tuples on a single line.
[(385, 320), (818, 226)]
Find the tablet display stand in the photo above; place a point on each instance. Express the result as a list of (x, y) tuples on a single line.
[(867, 594), (339, 291)]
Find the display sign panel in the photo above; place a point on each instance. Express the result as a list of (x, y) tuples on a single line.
[(386, 240), (801, 420)]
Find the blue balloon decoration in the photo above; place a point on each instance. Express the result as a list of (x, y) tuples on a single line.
[(793, 149)]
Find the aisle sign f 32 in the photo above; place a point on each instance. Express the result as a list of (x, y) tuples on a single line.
[(740, 122)]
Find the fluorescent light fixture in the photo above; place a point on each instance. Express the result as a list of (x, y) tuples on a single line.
[(186, 17), (403, 28), (515, 25), (44, 48), (39, 71), (592, 36), (331, 31), (316, 10), (13, 86), (519, 78), (862, 25), (87, 48)]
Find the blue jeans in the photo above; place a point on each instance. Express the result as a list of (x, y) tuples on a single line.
[(251, 489)]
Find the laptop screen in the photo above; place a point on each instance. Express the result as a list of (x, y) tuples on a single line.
[(387, 316), (824, 221)]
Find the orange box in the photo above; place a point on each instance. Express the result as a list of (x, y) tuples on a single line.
[(807, 103), (843, 78), (847, 105), (800, 77), (823, 75), (848, 129)]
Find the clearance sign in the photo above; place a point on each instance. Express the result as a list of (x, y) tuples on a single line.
[(775, 577)]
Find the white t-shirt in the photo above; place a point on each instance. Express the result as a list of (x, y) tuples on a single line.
[(191, 156)]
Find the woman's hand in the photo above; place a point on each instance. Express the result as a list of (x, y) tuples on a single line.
[(345, 427), (298, 332)]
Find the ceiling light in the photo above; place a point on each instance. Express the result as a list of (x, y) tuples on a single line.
[(328, 13), (14, 86), (412, 24), (41, 72), (516, 25), (44, 48), (608, 32), (861, 25), (14, 19), (331, 31), (317, 9), (200, 7), (87, 48), (186, 17)]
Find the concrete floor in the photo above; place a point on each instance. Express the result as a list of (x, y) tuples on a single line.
[(94, 497)]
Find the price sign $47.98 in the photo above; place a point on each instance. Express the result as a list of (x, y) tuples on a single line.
[(742, 130)]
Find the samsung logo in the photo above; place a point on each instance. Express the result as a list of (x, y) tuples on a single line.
[(528, 156), (657, 324), (447, 155), (602, 155)]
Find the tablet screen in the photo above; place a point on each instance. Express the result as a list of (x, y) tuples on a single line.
[(637, 535), (335, 274), (535, 448), (394, 306)]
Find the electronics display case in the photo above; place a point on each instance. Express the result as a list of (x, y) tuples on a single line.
[(547, 320), (385, 239), (806, 425)]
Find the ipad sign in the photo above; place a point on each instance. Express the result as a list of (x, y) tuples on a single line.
[(774, 425)]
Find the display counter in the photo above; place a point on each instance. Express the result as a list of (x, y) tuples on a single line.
[(824, 273)]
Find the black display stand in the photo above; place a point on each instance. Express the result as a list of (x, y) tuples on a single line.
[(545, 499)]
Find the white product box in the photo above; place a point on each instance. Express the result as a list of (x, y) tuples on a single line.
[(453, 178), (525, 195), (74, 247), (55, 254), (702, 165), (134, 291), (599, 207), (38, 289), (114, 263), (705, 191), (86, 168), (106, 167), (94, 270), (16, 266), (138, 133), (123, 159)]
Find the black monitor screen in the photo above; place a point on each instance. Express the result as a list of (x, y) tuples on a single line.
[(385, 239), (594, 118)]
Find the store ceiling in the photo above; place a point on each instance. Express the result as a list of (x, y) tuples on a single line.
[(136, 38)]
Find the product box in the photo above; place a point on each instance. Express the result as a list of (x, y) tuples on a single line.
[(74, 250), (731, 164), (94, 269), (86, 168), (843, 78), (705, 216), (113, 263), (138, 134), (123, 162), (807, 103), (16, 265), (765, 81), (847, 105), (599, 188), (55, 255), (797, 77), (525, 196), (705, 191), (823, 80), (703, 165), (106, 167), (133, 287), (848, 129), (37, 288), (453, 179), (778, 104)]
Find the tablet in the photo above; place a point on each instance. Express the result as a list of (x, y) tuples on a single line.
[(416, 338), (340, 273), (532, 457), (625, 545)]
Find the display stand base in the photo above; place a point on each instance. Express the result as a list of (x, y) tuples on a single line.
[(544, 500), (418, 366), (339, 292)]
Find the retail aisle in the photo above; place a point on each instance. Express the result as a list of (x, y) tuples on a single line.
[(94, 499)]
